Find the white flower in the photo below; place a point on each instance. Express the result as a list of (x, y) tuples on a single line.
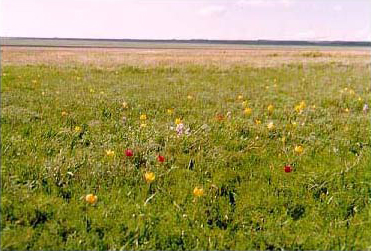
[(365, 108), (180, 129)]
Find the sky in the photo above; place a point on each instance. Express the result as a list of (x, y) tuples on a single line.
[(348, 20)]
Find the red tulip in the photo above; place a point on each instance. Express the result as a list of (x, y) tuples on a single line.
[(161, 158), (288, 169), (129, 153)]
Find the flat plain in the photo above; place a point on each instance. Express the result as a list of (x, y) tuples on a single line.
[(185, 148)]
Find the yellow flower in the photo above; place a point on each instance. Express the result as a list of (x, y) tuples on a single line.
[(143, 117), (110, 153), (77, 129), (170, 111), (270, 126), (270, 108), (125, 105), (302, 104), (198, 192), (189, 97), (149, 177), (247, 111), (143, 125), (64, 113), (258, 121), (359, 99), (244, 103), (240, 97), (178, 121), (346, 110), (91, 199), (299, 149)]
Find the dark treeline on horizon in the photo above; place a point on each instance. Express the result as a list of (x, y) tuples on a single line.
[(206, 41)]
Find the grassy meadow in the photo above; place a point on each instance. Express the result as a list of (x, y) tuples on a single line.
[(185, 149)]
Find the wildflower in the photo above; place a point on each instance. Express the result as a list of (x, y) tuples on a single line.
[(91, 199), (247, 111), (143, 117), (219, 117), (288, 169), (270, 108), (110, 153), (180, 129), (346, 110), (258, 121), (43, 93), (189, 97), (359, 99), (170, 111), (365, 108), (64, 113), (270, 126), (302, 104), (198, 192), (125, 105), (240, 97), (161, 158), (129, 153), (149, 177), (178, 121), (299, 149), (77, 129)]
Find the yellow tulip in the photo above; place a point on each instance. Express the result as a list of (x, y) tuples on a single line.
[(149, 177), (91, 199)]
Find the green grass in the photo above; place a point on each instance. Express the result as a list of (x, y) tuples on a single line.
[(249, 202)]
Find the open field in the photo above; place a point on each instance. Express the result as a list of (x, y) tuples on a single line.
[(237, 149)]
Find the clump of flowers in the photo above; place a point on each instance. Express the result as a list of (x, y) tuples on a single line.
[(299, 149), (143, 117), (365, 108), (247, 111), (271, 126), (129, 153), (91, 199), (149, 177), (78, 129), (198, 192), (288, 169), (110, 153), (161, 159), (178, 121)]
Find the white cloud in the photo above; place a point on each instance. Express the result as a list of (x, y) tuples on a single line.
[(212, 10), (338, 8), (265, 3)]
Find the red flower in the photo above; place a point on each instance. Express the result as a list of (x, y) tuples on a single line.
[(161, 158), (129, 153), (288, 169)]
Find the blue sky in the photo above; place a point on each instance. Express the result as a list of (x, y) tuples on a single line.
[(188, 19)]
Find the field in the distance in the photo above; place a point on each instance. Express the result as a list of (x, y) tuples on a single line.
[(261, 148)]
